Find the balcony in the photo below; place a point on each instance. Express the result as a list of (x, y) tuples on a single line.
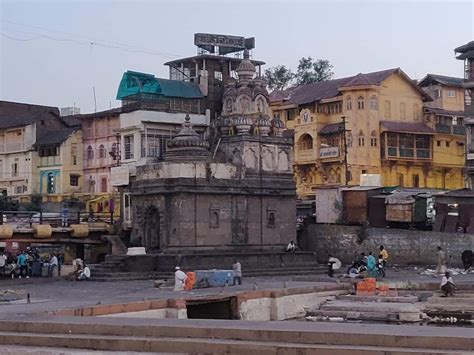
[(448, 129), (305, 156), (49, 161)]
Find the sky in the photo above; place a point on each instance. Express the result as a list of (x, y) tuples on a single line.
[(46, 55)]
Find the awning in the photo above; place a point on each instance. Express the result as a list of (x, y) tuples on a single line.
[(405, 127), (332, 128)]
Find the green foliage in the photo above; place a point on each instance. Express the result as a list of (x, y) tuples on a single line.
[(279, 77), (312, 71)]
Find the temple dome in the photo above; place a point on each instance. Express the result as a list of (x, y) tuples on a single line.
[(245, 70)]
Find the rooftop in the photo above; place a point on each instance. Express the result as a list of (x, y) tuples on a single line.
[(211, 57), (441, 112), (431, 79), (405, 127), (306, 94), (54, 137), (17, 114), (134, 83)]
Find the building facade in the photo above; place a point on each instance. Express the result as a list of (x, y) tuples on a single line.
[(466, 54), (366, 125), (21, 125)]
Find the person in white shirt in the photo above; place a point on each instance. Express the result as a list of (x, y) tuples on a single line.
[(3, 260), (291, 247), (53, 263), (179, 279), (447, 285), (85, 274), (333, 264)]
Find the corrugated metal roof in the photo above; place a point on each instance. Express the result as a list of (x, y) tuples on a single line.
[(134, 83), (441, 79), (405, 127), (17, 114)]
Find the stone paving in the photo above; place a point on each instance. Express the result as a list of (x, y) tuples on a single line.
[(52, 294)]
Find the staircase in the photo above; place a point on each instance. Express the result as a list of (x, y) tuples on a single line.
[(115, 267)]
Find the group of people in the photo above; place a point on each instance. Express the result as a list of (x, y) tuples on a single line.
[(22, 264), (369, 265), (180, 276)]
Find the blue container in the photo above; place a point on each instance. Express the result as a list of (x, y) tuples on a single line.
[(213, 278)]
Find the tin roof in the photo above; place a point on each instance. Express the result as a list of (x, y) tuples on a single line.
[(430, 79), (405, 127), (16, 114)]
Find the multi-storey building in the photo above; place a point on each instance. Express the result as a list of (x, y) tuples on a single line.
[(466, 53), (366, 124), (21, 126)]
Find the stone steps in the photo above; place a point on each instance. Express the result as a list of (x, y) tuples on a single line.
[(236, 337)]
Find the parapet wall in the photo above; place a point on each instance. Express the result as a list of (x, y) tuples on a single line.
[(406, 247)]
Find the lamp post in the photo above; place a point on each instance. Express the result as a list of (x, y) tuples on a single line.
[(346, 170)]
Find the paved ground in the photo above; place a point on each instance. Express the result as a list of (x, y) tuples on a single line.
[(48, 294)]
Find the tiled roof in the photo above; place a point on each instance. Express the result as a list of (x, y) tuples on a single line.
[(441, 79), (332, 128), (16, 114), (305, 94), (465, 47), (54, 137), (441, 112), (408, 127)]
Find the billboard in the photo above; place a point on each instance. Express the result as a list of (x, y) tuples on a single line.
[(331, 152), (120, 175), (225, 43)]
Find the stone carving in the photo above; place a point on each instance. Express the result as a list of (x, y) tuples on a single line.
[(250, 159), (236, 157), (268, 159), (283, 161)]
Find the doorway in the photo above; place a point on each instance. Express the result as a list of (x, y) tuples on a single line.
[(152, 229)]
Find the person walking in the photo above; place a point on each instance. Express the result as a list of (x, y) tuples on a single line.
[(441, 267), (237, 268), (383, 258), (22, 263), (179, 279)]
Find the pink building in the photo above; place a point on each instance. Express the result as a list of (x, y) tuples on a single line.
[(100, 149)]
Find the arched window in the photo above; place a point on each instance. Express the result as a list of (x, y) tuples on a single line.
[(114, 151), (90, 153), (361, 139), (349, 140), (305, 142), (271, 219), (215, 219), (373, 139), (51, 183), (374, 103), (101, 151), (348, 103), (360, 103)]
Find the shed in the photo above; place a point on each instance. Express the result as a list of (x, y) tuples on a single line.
[(455, 211), (355, 201), (406, 207)]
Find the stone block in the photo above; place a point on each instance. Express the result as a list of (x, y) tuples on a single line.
[(6, 231), (79, 230), (136, 251), (42, 231)]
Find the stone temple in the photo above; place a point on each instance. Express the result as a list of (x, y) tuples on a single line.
[(230, 190)]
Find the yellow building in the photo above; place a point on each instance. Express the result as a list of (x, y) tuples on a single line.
[(59, 163), (385, 134)]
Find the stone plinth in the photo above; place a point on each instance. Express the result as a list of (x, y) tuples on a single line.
[(136, 251)]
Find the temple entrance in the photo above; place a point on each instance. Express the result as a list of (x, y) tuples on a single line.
[(152, 229)]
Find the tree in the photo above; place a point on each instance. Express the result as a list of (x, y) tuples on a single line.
[(312, 71), (279, 77)]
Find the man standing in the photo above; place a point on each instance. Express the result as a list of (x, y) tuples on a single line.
[(237, 268), (21, 260), (441, 267), (64, 216), (179, 279), (53, 263)]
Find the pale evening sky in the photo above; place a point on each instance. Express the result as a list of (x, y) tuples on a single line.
[(46, 56)]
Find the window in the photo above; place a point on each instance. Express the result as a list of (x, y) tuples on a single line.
[(349, 140), (74, 180), (101, 151), (214, 222), (437, 93), (90, 153), (403, 114), (128, 140), (271, 220), (361, 139), (388, 109), (447, 144), (74, 155), (48, 151), (114, 151), (348, 103), (407, 144), (374, 103), (15, 168), (416, 180), (103, 184), (305, 142), (373, 139), (51, 183), (392, 144), (400, 180), (360, 103), (451, 93), (438, 143), (91, 185), (153, 142), (416, 112)]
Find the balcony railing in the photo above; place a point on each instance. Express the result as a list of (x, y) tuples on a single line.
[(447, 129)]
